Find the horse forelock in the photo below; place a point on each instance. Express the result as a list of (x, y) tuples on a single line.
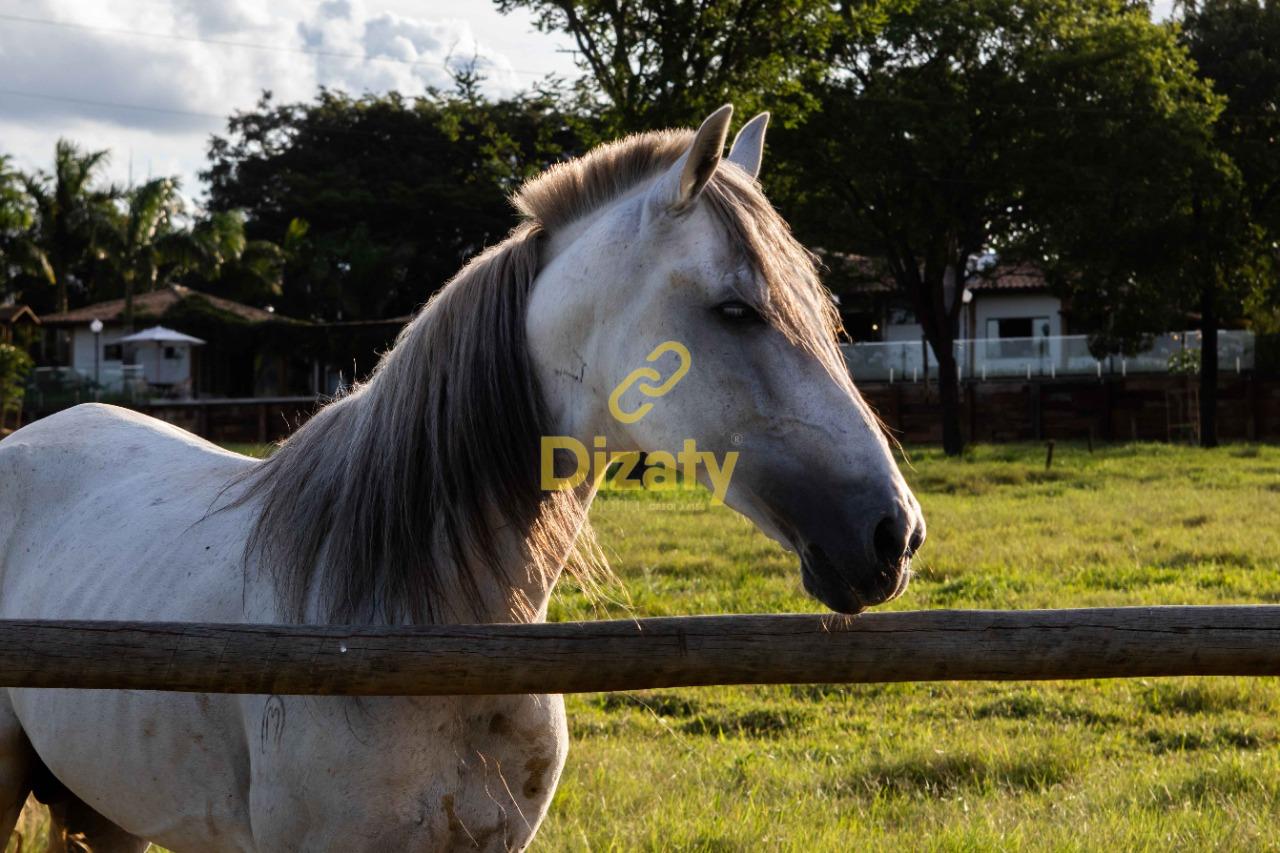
[(419, 466)]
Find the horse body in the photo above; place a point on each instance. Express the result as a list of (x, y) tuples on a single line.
[(417, 498), (220, 772)]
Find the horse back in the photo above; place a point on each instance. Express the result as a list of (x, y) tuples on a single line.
[(107, 513)]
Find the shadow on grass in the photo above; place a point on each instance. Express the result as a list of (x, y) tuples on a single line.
[(935, 776)]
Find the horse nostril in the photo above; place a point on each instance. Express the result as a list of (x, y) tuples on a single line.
[(917, 539), (889, 540)]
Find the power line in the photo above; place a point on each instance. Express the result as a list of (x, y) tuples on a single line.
[(41, 96), (273, 48)]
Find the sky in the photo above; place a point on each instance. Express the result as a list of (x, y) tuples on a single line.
[(151, 80)]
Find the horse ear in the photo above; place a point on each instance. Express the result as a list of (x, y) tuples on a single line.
[(748, 145), (682, 183)]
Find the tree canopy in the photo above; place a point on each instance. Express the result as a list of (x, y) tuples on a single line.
[(385, 196), (1034, 128)]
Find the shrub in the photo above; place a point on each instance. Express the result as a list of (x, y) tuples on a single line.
[(15, 365)]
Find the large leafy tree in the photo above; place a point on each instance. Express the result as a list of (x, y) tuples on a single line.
[(659, 63), (960, 128), (73, 215), (381, 198), (1236, 44)]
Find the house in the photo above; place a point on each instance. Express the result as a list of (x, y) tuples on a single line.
[(19, 325), (1010, 322), (1001, 302), (231, 365)]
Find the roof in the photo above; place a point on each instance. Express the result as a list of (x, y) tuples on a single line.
[(155, 303), (869, 275), (1011, 278), (11, 314), (159, 335)]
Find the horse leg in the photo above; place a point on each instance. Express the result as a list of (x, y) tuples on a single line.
[(15, 767), (76, 828)]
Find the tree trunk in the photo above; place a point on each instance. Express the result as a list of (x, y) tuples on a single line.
[(1208, 365), (949, 392)]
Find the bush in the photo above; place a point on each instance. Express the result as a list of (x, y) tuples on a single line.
[(15, 365)]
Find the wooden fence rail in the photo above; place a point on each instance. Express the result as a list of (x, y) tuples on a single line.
[(647, 653)]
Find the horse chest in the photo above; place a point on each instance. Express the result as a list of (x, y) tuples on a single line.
[(399, 773)]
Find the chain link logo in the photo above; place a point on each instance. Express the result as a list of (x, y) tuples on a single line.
[(651, 375), (664, 469)]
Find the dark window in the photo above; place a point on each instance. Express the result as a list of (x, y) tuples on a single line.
[(171, 352), (113, 352)]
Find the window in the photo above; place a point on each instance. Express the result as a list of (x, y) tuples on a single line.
[(1018, 327), (172, 353), (1016, 337), (113, 352)]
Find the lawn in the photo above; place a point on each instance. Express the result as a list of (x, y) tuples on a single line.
[(1154, 764), (1146, 764)]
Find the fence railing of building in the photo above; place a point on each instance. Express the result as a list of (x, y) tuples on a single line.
[(1044, 357)]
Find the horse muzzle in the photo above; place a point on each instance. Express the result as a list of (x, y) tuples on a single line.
[(850, 570)]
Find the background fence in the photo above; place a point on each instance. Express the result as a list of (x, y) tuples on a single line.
[(1052, 356)]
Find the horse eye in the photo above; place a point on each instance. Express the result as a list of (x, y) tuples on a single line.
[(737, 311)]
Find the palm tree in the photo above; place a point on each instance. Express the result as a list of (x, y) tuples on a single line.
[(70, 214), (216, 252), (138, 244)]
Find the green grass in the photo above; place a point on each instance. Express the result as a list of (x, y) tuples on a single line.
[(1144, 764), (1153, 764)]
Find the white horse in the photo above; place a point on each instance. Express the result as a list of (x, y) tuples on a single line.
[(417, 497)]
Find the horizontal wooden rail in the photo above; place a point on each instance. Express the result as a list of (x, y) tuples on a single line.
[(578, 657)]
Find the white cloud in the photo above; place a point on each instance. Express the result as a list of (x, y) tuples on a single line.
[(207, 59)]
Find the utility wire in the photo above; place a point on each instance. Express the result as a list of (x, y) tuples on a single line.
[(274, 48)]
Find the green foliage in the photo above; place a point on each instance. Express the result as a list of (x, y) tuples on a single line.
[(668, 63), (72, 216), (15, 365), (1234, 44), (1185, 362), (1056, 129), (380, 199)]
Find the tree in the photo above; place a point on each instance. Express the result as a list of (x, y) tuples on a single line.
[(14, 367), (1236, 44), (71, 216), (215, 256), (16, 217), (962, 128), (396, 193), (141, 235), (667, 63)]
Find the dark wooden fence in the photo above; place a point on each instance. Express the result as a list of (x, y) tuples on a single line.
[(251, 419), (571, 657), (1108, 409)]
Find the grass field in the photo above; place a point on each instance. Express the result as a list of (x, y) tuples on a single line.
[(1152, 764), (1147, 764)]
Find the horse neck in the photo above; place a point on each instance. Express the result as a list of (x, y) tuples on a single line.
[(417, 497)]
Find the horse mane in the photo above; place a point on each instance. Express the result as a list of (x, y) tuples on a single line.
[(440, 446)]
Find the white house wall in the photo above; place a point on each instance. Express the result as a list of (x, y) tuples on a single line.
[(1001, 306)]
